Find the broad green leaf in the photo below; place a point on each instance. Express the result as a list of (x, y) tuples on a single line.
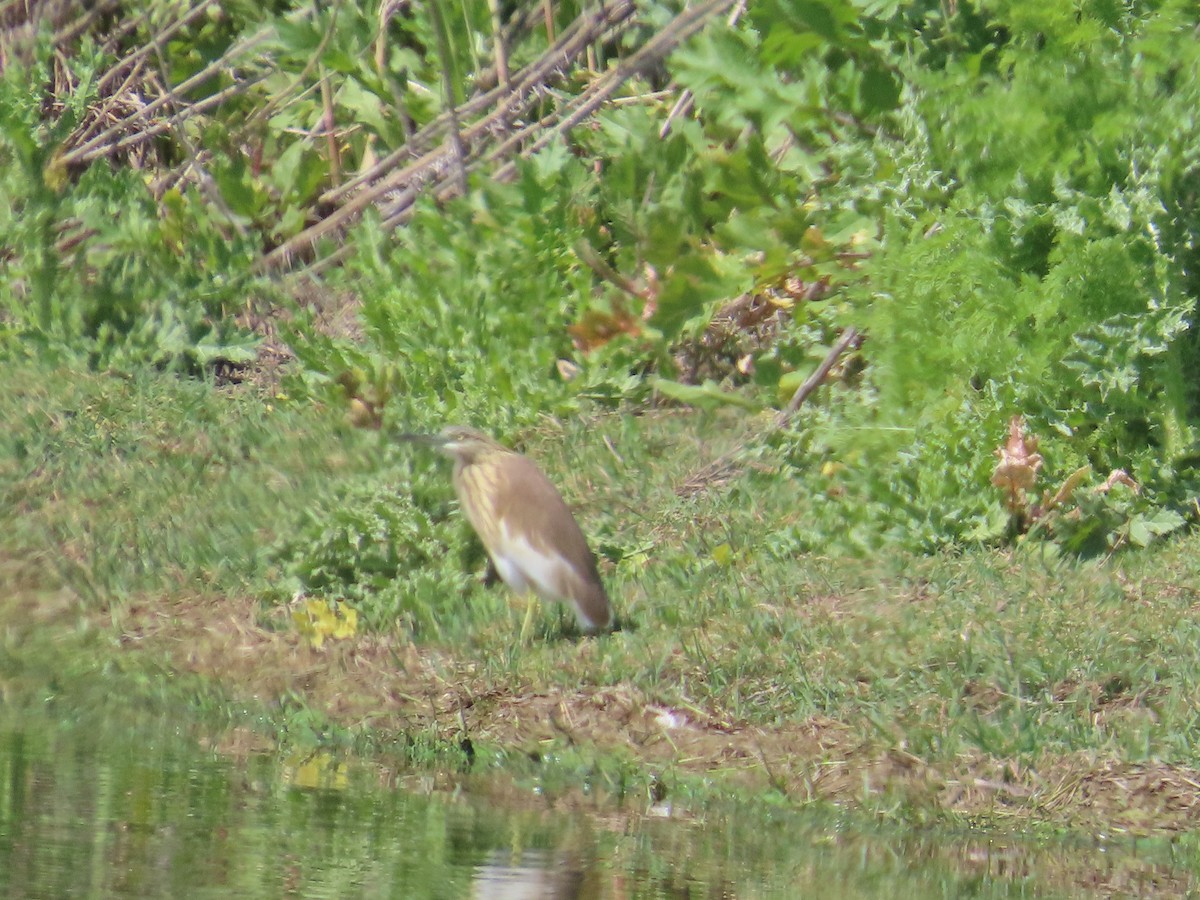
[(708, 395)]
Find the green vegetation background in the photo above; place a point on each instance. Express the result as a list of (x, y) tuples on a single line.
[(1000, 197)]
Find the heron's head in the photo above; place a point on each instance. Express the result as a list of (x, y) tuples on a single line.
[(459, 442)]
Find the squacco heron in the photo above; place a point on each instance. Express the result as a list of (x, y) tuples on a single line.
[(533, 540)]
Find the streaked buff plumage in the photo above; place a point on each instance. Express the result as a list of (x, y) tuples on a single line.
[(525, 525)]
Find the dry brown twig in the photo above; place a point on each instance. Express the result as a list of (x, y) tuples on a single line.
[(662, 43), (433, 171), (427, 156), (686, 100), (850, 338), (506, 105), (111, 141), (498, 40), (724, 467), (211, 191)]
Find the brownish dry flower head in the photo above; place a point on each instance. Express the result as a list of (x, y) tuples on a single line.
[(1017, 470)]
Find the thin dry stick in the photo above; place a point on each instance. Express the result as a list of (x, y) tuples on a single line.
[(22, 19), (391, 179), (684, 104), (278, 98), (684, 26), (517, 137), (129, 68), (103, 144), (347, 213), (574, 41), (330, 125), (457, 147), (386, 11), (210, 188), (812, 382), (723, 467), (72, 30), (682, 107), (96, 122), (140, 54), (658, 47), (167, 124), (498, 38), (510, 104)]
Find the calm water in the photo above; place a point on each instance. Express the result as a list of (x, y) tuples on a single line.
[(86, 812)]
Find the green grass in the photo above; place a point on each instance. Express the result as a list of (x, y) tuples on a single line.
[(156, 484), (149, 513)]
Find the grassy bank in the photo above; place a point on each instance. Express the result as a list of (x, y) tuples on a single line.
[(146, 516)]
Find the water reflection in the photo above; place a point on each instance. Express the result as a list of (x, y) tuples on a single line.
[(528, 875), (87, 812)]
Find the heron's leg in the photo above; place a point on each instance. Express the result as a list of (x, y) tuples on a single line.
[(491, 574), (531, 604)]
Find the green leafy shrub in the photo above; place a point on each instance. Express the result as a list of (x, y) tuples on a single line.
[(1053, 284), (1003, 200), (391, 552), (95, 265), (464, 319)]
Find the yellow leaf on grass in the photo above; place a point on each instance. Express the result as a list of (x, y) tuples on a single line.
[(347, 624), (316, 621)]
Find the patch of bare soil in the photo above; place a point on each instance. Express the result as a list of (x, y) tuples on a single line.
[(393, 686), (332, 313), (386, 684)]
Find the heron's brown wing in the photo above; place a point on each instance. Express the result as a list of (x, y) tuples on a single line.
[(529, 508)]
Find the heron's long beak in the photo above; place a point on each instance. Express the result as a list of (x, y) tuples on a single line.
[(429, 440), (436, 442)]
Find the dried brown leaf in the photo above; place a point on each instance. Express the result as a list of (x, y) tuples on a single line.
[(1016, 472)]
